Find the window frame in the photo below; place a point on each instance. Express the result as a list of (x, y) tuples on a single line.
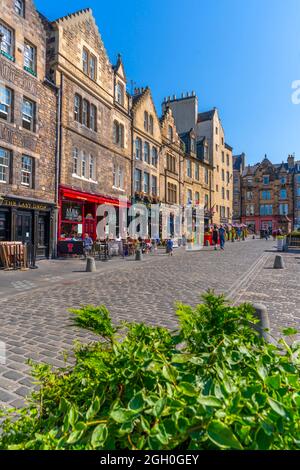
[(147, 153), (10, 52), (22, 10), (33, 117), (27, 171), (146, 179), (30, 67), (6, 155), (9, 112)]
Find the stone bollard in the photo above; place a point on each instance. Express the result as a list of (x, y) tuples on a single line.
[(138, 255), (90, 265), (278, 263), (263, 327)]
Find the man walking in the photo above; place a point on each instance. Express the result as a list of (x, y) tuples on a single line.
[(222, 233)]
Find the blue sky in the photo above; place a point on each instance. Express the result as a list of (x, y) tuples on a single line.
[(240, 56)]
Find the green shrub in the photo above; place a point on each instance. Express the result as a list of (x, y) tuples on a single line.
[(295, 234), (213, 384)]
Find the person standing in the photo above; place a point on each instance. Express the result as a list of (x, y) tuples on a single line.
[(222, 233), (87, 245), (215, 236), (170, 247)]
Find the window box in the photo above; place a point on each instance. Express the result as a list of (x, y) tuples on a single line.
[(8, 56), (29, 70)]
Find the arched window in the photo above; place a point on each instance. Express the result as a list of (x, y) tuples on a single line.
[(146, 121), (75, 161), (151, 125), (138, 148), (146, 152), (120, 93)]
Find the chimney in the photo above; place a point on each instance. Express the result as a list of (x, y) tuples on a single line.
[(174, 97), (193, 93), (291, 161), (136, 91), (187, 94)]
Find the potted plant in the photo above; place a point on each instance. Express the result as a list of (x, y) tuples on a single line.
[(280, 242)]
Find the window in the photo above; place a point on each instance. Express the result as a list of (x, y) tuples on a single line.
[(77, 108), (120, 93), (92, 70), (154, 185), (283, 180), (250, 209), (222, 140), (189, 196), (83, 165), (206, 176), (138, 180), (283, 194), (197, 198), (298, 192), (6, 44), (266, 209), (172, 193), (85, 61), (206, 154), (223, 193), (189, 168), (85, 113), (206, 201), (283, 209), (193, 145), (223, 175), (171, 163), (217, 147), (4, 165), (27, 171), (28, 115), (89, 64), (121, 178), (223, 157), (75, 170), (118, 176), (146, 152), (29, 58), (249, 195), (218, 168), (197, 172), (93, 117), (19, 7), (228, 213), (6, 99), (146, 121), (265, 195), (217, 188), (227, 177), (118, 134), (266, 179), (227, 195), (227, 159), (222, 210), (115, 175), (217, 130), (298, 179), (146, 182), (170, 133), (154, 156), (138, 149), (249, 181), (92, 168), (151, 124)]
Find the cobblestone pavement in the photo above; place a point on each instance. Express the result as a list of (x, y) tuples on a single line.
[(36, 324)]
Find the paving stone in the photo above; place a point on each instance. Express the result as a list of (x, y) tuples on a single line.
[(13, 375), (6, 397)]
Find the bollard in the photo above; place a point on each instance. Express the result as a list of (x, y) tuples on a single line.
[(278, 263), (138, 255), (263, 327), (90, 265)]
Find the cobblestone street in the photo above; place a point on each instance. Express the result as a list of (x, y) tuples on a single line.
[(36, 324)]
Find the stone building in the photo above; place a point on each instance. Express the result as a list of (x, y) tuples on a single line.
[(27, 130), (297, 196), (209, 125), (95, 124), (238, 168), (268, 195)]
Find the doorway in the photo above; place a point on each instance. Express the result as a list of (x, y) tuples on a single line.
[(24, 227)]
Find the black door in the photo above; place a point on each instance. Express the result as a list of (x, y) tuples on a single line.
[(4, 226), (43, 236), (24, 227)]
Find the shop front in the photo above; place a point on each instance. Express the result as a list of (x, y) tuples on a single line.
[(78, 215), (29, 222)]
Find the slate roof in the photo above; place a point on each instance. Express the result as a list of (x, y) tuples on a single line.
[(207, 116)]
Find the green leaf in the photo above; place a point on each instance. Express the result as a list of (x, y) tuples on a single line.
[(210, 400), (74, 437), (273, 381), (72, 416), (99, 435), (188, 389), (158, 407), (93, 409), (262, 371), (121, 415), (222, 436), (289, 331), (263, 440), (169, 373), (182, 424), (137, 402), (277, 407)]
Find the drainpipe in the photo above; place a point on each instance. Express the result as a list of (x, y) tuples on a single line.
[(57, 165)]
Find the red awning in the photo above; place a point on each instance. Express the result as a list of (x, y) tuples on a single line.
[(69, 193)]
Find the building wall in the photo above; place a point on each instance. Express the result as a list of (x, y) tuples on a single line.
[(184, 110), (40, 144), (297, 196)]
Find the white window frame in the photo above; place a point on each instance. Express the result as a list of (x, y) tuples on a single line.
[(7, 43), (27, 171), (5, 160), (30, 56), (26, 116), (20, 8), (6, 100)]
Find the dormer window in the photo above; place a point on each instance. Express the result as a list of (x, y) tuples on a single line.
[(120, 94), (193, 145), (266, 179), (20, 8)]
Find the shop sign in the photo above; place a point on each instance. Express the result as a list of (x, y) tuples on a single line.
[(23, 204)]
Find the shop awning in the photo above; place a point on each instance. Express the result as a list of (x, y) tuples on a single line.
[(69, 193)]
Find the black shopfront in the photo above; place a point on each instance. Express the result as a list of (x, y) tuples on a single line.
[(29, 222)]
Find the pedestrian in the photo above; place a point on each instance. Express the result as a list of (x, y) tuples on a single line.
[(87, 245), (266, 234), (170, 247), (222, 237), (215, 236)]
